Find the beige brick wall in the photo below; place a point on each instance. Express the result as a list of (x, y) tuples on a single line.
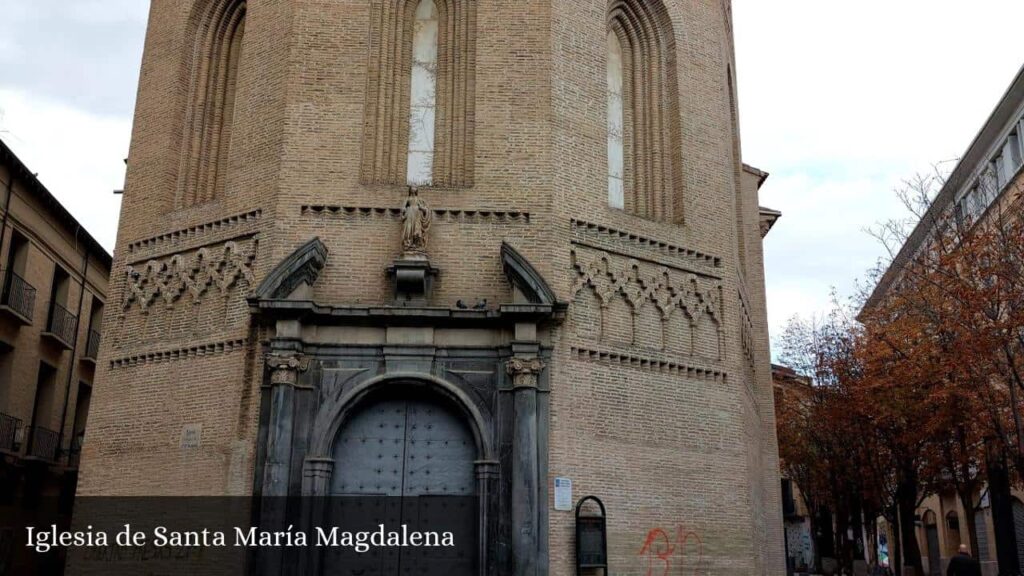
[(50, 243), (671, 424)]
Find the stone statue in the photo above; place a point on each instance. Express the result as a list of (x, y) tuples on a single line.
[(416, 217)]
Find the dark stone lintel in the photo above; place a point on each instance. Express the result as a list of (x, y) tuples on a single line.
[(313, 313)]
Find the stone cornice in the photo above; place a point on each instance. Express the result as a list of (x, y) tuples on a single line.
[(273, 309)]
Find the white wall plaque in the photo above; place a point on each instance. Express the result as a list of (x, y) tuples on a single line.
[(563, 494), (191, 436)]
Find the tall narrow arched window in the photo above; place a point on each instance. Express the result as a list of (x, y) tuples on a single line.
[(211, 105), (420, 105), (616, 120), (651, 135), (423, 95), (737, 166)]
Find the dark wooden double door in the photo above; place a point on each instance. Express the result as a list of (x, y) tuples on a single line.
[(404, 460)]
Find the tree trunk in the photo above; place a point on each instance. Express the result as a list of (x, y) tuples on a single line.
[(895, 550), (906, 497), (871, 530), (812, 512), (824, 538), (858, 527), (843, 530), (1002, 512), (967, 501)]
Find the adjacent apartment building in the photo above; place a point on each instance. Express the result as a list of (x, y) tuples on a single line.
[(799, 537), (986, 182), (54, 284), (525, 227)]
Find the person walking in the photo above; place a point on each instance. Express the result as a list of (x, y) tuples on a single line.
[(963, 564)]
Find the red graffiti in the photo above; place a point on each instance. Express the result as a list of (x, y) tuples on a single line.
[(666, 555)]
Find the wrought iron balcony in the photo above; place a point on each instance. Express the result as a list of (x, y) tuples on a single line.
[(61, 326), (75, 452), (9, 426), (92, 347), (43, 443), (18, 297)]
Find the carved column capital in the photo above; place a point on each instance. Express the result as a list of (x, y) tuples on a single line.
[(524, 371), (285, 368)]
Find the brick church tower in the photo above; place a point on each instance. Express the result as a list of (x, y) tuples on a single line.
[(525, 226)]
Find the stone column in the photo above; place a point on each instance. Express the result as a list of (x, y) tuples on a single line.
[(316, 502), (486, 475), (525, 464), (284, 378)]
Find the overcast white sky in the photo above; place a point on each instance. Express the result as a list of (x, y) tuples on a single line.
[(839, 101)]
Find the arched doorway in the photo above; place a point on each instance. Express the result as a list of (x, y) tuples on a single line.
[(953, 539), (981, 549), (405, 457), (931, 532)]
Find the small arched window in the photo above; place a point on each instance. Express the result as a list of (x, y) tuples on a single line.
[(737, 165), (211, 107), (641, 52)]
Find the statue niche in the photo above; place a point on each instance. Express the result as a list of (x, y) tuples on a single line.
[(416, 218), (412, 273)]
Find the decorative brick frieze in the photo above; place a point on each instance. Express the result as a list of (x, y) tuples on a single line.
[(603, 237), (178, 354), (443, 214), (650, 363), (218, 230), (639, 303), (192, 274), (642, 282)]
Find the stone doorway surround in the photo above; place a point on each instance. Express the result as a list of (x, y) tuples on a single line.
[(491, 364)]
